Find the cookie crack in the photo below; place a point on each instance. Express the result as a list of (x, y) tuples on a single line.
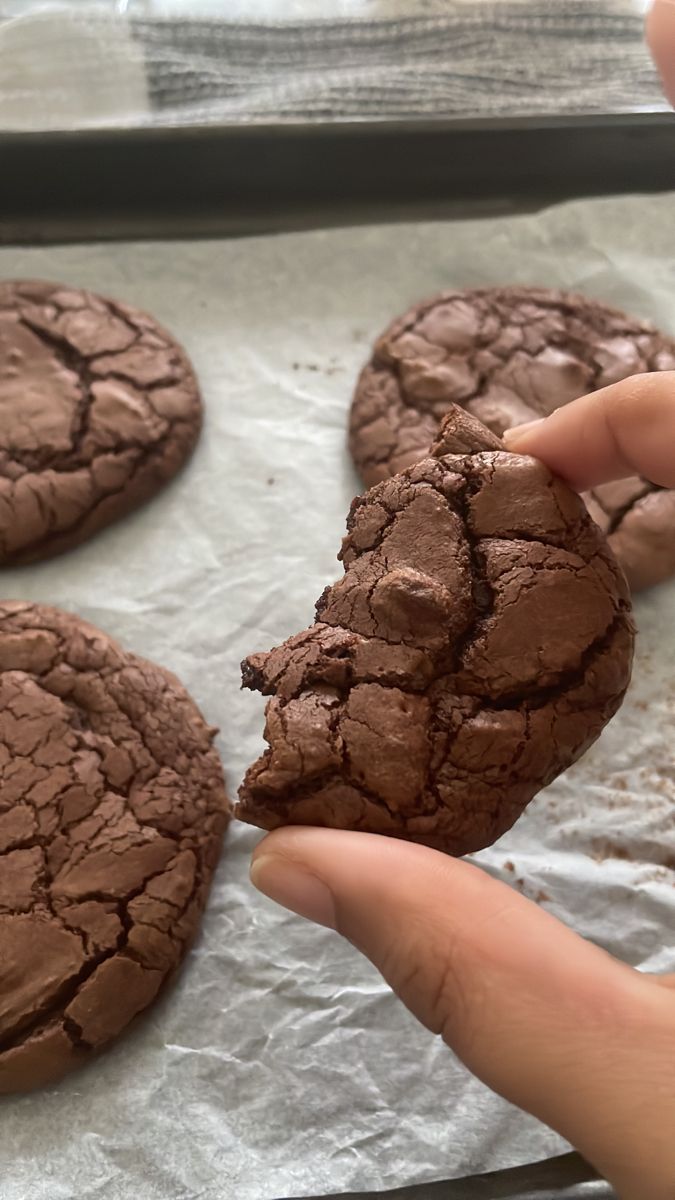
[(535, 696), (619, 515), (482, 592), (74, 361), (51, 536), (55, 1009)]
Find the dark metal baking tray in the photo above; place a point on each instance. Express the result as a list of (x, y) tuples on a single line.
[(566, 1177), (240, 179)]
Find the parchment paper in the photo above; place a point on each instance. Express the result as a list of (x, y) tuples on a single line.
[(279, 1065)]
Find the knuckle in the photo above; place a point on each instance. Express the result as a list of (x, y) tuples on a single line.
[(427, 975)]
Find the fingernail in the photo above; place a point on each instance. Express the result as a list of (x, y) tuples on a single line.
[(511, 436), (294, 888)]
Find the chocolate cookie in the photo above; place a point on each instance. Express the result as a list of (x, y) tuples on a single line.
[(477, 644), (510, 355), (112, 810), (99, 408)]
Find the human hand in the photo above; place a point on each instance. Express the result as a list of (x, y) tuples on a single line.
[(661, 39), (551, 1022)]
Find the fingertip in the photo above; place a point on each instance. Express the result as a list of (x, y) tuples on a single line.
[(553, 442), (624, 429), (271, 843), (517, 437), (293, 887), (308, 844)]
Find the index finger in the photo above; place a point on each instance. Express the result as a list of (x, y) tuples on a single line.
[(626, 429), (661, 39)]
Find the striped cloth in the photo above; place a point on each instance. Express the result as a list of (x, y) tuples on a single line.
[(378, 60)]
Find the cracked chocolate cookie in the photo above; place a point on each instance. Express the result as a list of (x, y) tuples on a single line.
[(477, 644), (99, 408), (510, 355), (112, 811)]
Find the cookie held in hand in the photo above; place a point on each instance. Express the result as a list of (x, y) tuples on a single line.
[(478, 642), (112, 811), (511, 355), (99, 409)]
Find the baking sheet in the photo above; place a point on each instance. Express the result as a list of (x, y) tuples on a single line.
[(279, 1065)]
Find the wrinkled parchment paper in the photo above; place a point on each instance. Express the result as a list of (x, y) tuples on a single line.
[(279, 1064)]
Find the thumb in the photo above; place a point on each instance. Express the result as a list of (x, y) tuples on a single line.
[(543, 1017)]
